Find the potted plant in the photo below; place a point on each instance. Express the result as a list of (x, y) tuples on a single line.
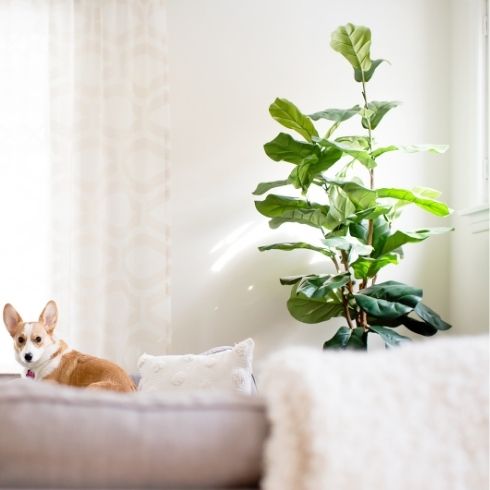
[(355, 220)]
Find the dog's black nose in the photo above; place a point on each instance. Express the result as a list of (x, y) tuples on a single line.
[(28, 357)]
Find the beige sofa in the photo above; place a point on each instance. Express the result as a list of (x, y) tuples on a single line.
[(60, 437), (401, 419)]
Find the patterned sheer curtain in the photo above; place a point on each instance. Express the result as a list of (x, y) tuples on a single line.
[(105, 154)]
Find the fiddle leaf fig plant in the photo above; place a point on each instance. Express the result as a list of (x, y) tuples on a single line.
[(335, 193)]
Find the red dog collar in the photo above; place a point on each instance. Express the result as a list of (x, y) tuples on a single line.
[(30, 374)]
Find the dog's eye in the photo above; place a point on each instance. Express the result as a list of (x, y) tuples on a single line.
[(38, 339), (21, 340)]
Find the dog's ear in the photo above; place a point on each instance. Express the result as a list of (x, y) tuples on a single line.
[(11, 318), (49, 316)]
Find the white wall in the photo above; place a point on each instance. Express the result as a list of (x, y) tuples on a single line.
[(229, 59)]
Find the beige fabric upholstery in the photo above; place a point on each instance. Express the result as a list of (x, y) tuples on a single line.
[(59, 437)]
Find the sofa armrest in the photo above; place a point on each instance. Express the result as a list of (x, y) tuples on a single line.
[(55, 436)]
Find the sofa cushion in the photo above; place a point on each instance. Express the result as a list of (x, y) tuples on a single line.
[(221, 369), (54, 436)]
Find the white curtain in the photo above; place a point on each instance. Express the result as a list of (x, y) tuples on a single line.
[(105, 142)]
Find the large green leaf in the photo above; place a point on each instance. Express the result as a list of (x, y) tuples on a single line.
[(373, 213), (381, 231), (347, 242), (327, 158), (400, 238), (263, 187), (354, 43), (365, 267), (395, 291), (358, 74), (363, 157), (287, 114), (359, 230), (431, 317), (275, 206), (354, 146), (337, 115), (290, 209), (424, 192), (379, 109), (303, 175), (429, 148), (388, 300), (420, 327), (311, 218), (341, 207), (352, 142), (285, 148), (389, 336), (362, 197), (288, 246), (382, 308), (309, 310), (410, 149), (383, 149), (345, 338), (431, 205), (320, 286), (339, 340), (358, 339), (353, 150)]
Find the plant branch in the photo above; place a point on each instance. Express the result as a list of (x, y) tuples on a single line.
[(345, 301), (336, 264)]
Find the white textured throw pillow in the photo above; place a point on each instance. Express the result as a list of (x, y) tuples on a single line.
[(229, 370)]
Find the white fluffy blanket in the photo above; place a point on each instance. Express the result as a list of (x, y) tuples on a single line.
[(404, 419)]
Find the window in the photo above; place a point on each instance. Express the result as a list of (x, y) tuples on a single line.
[(469, 58), (24, 157), (486, 95)]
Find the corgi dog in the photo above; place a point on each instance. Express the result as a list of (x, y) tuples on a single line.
[(46, 358)]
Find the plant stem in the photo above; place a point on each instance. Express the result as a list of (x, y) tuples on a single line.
[(364, 95), (363, 319), (347, 312)]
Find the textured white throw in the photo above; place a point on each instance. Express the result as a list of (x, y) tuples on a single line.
[(404, 419)]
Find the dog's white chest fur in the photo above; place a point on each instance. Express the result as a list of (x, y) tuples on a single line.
[(52, 361)]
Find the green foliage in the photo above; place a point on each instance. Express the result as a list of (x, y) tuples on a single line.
[(337, 115), (287, 114), (388, 300), (359, 75), (377, 110), (354, 43), (354, 219), (390, 337), (347, 338)]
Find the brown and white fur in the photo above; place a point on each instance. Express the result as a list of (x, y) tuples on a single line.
[(47, 358)]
